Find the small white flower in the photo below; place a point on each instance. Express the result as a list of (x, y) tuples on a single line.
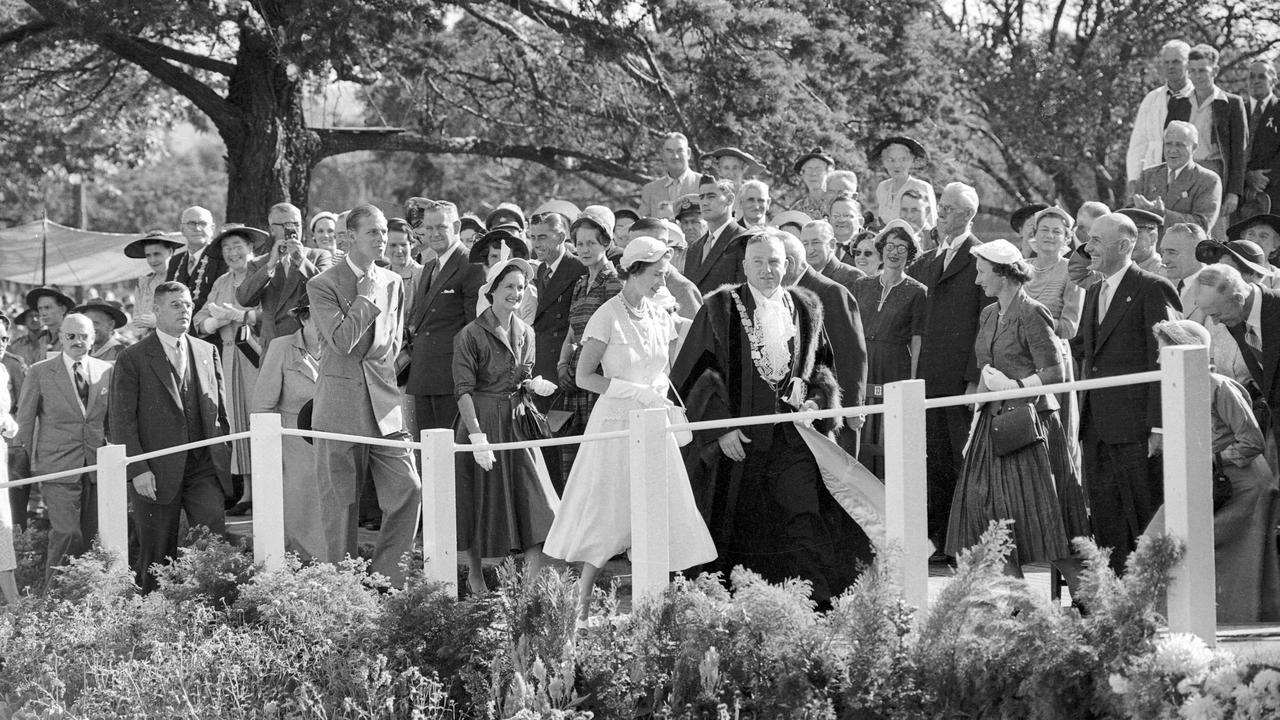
[(1119, 684)]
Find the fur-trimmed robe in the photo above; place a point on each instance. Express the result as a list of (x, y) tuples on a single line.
[(715, 374)]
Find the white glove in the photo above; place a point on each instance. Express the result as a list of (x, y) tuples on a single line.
[(996, 380), (8, 426), (144, 321), (643, 394), (542, 387), (484, 458)]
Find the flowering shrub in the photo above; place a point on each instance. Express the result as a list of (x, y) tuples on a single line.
[(224, 639)]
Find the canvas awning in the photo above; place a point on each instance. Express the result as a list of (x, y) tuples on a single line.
[(74, 258)]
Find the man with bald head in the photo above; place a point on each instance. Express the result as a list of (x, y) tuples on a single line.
[(61, 416), (947, 363), (1179, 189), (194, 267), (277, 282), (1120, 427), (1178, 263)]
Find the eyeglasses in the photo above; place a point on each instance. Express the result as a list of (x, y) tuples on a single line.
[(288, 225), (894, 247), (864, 253), (195, 224)]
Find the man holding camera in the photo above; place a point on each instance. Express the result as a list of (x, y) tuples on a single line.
[(277, 282)]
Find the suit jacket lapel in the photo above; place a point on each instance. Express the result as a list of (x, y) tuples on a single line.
[(63, 380), (95, 372), (442, 276), (559, 281), (1270, 342), (959, 262), (693, 260), (161, 367), (1121, 301), (716, 250)]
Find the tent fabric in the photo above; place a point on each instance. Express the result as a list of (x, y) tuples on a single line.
[(76, 258)]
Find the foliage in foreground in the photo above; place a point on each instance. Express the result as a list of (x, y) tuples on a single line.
[(224, 639)]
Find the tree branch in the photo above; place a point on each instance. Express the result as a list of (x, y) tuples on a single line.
[(23, 32), (336, 141), (199, 62)]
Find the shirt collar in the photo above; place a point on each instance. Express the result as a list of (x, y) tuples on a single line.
[(715, 234), (194, 257), (448, 254), (668, 181), (1113, 280), (68, 361), (762, 299), (354, 268), (1184, 91), (1218, 94), (170, 342)]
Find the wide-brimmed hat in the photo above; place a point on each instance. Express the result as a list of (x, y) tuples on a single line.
[(790, 217), (1142, 217), (753, 165), (562, 207), (1237, 230), (516, 245), (597, 216), (675, 236), (259, 240), (112, 310), (138, 248), (1246, 255), (1020, 216), (909, 143), (470, 222), (492, 275), (686, 205), (814, 154), (626, 212), (34, 296), (1000, 252), (643, 249)]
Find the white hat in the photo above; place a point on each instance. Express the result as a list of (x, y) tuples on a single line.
[(790, 216), (644, 249), (1000, 252), (495, 272)]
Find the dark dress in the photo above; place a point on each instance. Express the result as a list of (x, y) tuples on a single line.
[(505, 509), (1036, 486), (587, 298), (888, 329)]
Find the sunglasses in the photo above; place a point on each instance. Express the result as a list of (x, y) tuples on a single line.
[(864, 253)]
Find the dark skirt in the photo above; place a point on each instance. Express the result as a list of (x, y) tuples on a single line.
[(505, 509), (1066, 477), (580, 403), (1020, 487), (886, 363)]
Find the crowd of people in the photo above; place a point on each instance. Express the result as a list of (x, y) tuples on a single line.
[(711, 303)]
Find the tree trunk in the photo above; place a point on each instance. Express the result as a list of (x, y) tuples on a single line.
[(270, 150)]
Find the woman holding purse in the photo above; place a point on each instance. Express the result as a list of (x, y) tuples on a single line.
[(505, 502), (626, 350), (1016, 465)]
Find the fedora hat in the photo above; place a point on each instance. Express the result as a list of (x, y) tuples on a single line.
[(111, 309), (138, 248)]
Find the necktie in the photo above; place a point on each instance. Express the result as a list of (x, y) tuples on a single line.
[(1104, 300), (1250, 349), (706, 247), (544, 274), (179, 360), (1254, 342), (1181, 284), (82, 383), (950, 255)]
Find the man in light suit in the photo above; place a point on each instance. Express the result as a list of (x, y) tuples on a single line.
[(715, 259), (818, 238), (277, 282), (359, 310), (1179, 190), (446, 302), (947, 362), (658, 197), (167, 390), (1119, 427), (60, 419)]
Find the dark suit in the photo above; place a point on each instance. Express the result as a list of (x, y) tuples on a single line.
[(845, 275), (276, 290), (151, 410), (199, 281), (1123, 485), (1230, 134), (947, 366), (1266, 373), (1264, 150), (723, 266), (551, 323), (446, 302), (843, 323)]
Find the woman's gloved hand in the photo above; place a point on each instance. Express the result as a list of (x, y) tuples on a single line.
[(484, 458)]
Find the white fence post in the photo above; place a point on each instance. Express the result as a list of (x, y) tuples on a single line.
[(266, 449), (439, 508), (113, 502), (650, 521), (1186, 395), (906, 499)]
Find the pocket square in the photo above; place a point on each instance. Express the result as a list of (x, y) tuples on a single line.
[(450, 291)]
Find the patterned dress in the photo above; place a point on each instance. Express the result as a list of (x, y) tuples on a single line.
[(888, 328), (588, 296), (240, 371)]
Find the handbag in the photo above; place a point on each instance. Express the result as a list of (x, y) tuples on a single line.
[(1013, 427), (677, 415), (1221, 483), (527, 423)]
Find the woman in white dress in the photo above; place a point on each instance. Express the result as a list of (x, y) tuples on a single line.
[(8, 428), (626, 350)]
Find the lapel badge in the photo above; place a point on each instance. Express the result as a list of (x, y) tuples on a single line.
[(1128, 298)]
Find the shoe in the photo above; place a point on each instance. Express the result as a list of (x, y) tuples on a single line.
[(941, 558), (240, 508), (371, 524)]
